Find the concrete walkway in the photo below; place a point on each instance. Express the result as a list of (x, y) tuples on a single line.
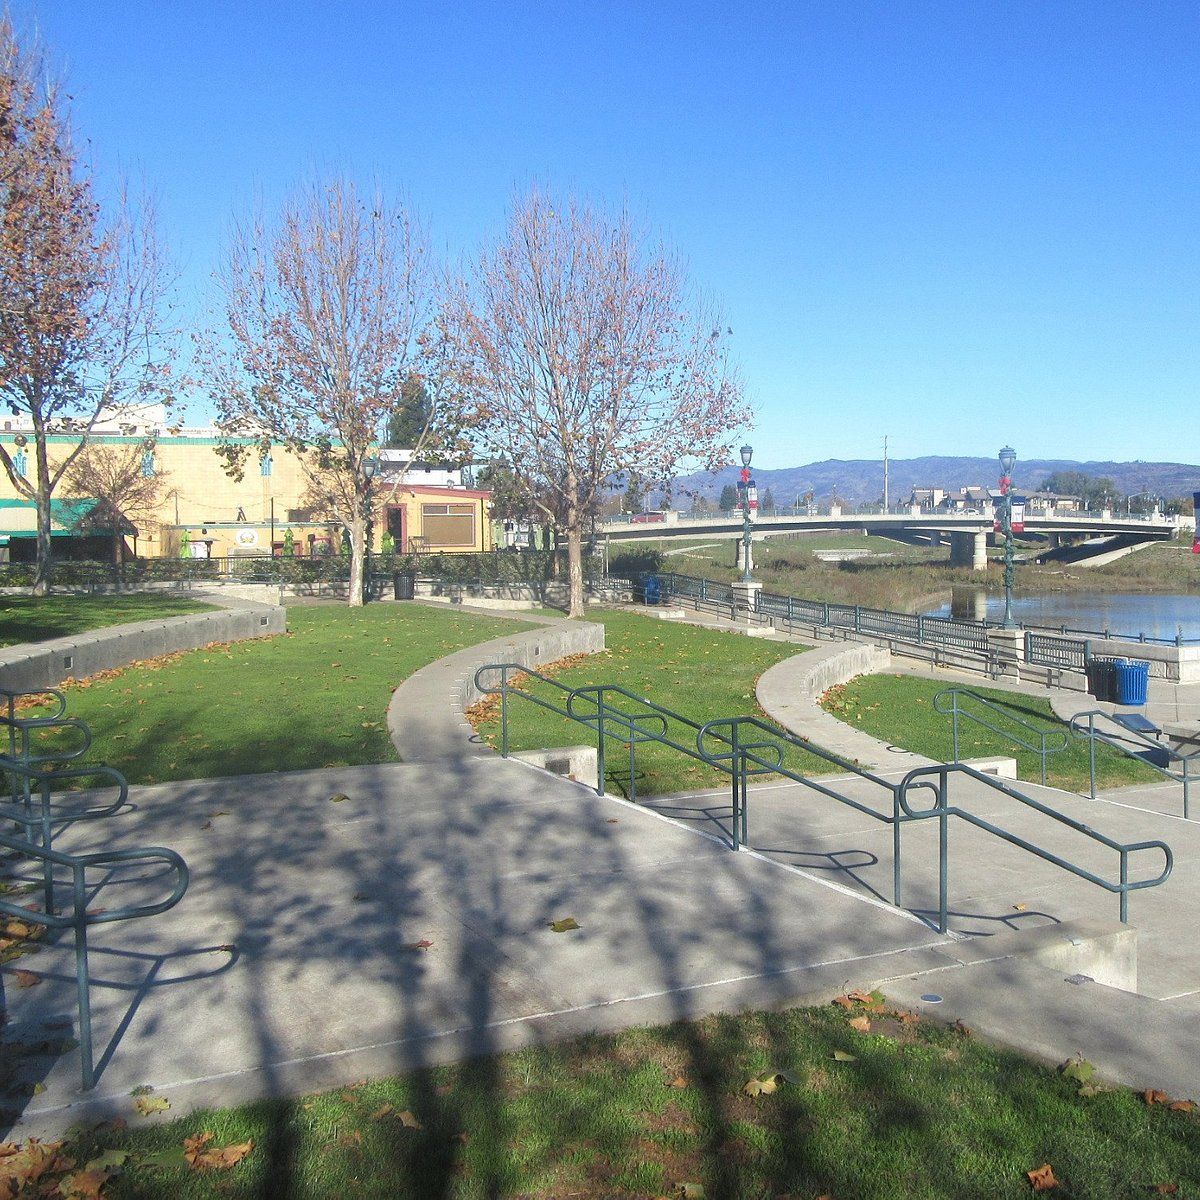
[(293, 961)]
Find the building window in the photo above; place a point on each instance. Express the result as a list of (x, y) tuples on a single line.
[(264, 466), (448, 524), (148, 464), (21, 463)]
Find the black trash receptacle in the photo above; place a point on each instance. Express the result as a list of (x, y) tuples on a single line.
[(1133, 680), (1102, 678), (404, 584)]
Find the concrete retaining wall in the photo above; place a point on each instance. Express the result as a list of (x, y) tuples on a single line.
[(541, 646), (45, 664), (1180, 664), (831, 665)]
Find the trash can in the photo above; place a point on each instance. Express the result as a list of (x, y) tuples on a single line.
[(1133, 679), (404, 584), (1101, 673), (652, 589)]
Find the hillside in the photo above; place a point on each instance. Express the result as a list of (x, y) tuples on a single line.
[(860, 481)]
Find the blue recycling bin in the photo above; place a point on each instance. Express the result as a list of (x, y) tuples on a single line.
[(652, 589), (1133, 679)]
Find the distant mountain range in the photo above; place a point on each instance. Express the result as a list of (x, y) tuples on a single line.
[(860, 481)]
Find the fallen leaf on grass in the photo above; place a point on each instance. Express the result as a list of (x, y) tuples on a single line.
[(1079, 1069), (145, 1106), (409, 1120), (677, 1082), (843, 1056), (382, 1111), (759, 1087), (1093, 1089), (862, 1024), (565, 925), (1154, 1096), (1042, 1178), (82, 1185), (690, 1191), (1185, 1106), (350, 1139), (1167, 1189), (28, 979)]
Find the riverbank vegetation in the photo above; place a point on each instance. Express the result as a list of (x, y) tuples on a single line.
[(897, 575)]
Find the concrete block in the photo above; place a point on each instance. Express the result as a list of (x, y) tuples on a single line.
[(1000, 766), (568, 762)]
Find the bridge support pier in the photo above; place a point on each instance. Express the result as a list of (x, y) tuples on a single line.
[(969, 550)]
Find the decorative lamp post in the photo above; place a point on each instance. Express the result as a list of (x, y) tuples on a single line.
[(1008, 460), (749, 502), (370, 468)]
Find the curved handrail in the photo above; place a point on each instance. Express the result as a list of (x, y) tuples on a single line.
[(1050, 741), (79, 919), (942, 808), (25, 724), (34, 773), (1121, 742), (10, 698)]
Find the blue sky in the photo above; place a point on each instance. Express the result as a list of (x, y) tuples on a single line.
[(957, 224)]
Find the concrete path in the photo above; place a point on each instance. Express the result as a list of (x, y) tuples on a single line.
[(292, 963)]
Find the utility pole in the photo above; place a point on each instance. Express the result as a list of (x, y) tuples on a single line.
[(886, 504)]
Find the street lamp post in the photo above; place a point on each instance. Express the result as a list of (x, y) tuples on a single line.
[(370, 468), (1008, 460), (746, 485)]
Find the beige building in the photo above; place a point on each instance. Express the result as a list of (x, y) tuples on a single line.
[(201, 511)]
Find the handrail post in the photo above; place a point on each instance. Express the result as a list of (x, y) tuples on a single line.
[(632, 763), (920, 629), (1043, 739), (1124, 886), (600, 741), (943, 853), (81, 979), (735, 790), (1092, 753), (504, 712), (1186, 775), (954, 722), (896, 845)]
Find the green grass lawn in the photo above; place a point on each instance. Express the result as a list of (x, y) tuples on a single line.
[(899, 710), (912, 1109), (699, 673), (314, 697), (38, 618)]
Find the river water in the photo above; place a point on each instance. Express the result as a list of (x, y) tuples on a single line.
[(1155, 615)]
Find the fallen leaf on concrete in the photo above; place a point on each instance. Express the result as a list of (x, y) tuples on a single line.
[(423, 944), (338, 797), (565, 925), (1042, 1178), (1020, 907), (27, 979)]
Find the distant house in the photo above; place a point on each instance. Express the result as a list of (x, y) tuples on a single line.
[(1052, 502), (967, 500), (925, 499)]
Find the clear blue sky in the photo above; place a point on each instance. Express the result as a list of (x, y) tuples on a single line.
[(957, 223)]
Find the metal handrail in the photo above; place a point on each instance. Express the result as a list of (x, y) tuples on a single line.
[(942, 809), (740, 757), (1046, 737), (78, 918), (39, 824), (1120, 742)]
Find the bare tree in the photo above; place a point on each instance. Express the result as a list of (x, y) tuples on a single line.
[(323, 310), (578, 355), (81, 298), (126, 483)]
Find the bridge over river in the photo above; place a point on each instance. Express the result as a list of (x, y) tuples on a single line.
[(968, 532)]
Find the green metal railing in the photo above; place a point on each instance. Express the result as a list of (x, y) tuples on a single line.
[(39, 804), (950, 702), (744, 747), (78, 919), (942, 810), (1137, 745)]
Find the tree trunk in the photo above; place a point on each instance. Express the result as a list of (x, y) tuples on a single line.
[(574, 567), (357, 547), (118, 557), (41, 581)]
